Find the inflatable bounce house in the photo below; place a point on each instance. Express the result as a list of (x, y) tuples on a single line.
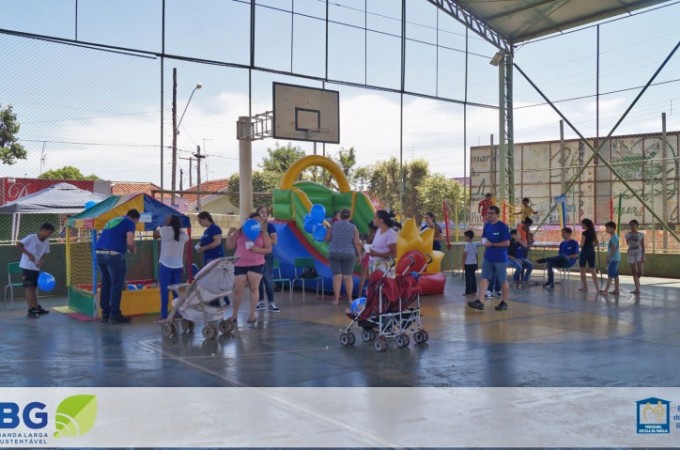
[(293, 201)]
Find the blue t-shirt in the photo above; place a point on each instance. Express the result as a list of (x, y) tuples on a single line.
[(495, 233), (207, 238), (613, 248), (568, 248), (114, 234)]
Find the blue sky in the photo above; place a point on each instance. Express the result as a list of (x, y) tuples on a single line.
[(100, 110)]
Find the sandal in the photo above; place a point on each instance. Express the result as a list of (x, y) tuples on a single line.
[(233, 319), (251, 320)]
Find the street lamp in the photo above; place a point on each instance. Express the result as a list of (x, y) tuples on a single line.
[(198, 86), (175, 129)]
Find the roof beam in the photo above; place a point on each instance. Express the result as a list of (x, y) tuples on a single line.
[(458, 12)]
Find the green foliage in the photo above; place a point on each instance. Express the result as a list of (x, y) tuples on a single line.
[(387, 182), (435, 189), (346, 159), (10, 149), (281, 158), (264, 183), (66, 173)]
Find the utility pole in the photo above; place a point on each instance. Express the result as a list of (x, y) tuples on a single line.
[(174, 135), (181, 179), (191, 179), (198, 176)]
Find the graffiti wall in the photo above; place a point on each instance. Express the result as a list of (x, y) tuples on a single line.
[(635, 170)]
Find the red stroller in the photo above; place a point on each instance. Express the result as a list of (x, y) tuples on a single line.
[(392, 306)]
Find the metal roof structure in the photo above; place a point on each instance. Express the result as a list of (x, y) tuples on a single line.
[(507, 23)]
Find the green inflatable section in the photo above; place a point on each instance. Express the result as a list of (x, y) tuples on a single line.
[(294, 204)]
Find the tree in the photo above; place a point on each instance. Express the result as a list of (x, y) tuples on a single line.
[(346, 159), (263, 182), (10, 149), (435, 189), (281, 158), (66, 173), (387, 182)]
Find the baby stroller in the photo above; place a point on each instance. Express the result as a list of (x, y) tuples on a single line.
[(392, 306), (196, 301)]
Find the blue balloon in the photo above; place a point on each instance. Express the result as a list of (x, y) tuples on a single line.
[(131, 287), (310, 225), (46, 282), (318, 213), (358, 304), (90, 204), (319, 233), (252, 229)]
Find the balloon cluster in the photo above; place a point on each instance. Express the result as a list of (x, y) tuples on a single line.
[(251, 228), (313, 222)]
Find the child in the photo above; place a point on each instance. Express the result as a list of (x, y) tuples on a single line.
[(34, 248), (613, 259), (364, 261), (526, 211), (470, 263), (636, 253)]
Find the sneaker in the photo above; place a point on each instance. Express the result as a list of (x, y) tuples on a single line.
[(498, 293), (489, 294), (41, 311), (104, 319), (260, 306), (502, 306), (119, 319), (274, 308), (476, 305), (541, 260), (549, 286), (32, 313)]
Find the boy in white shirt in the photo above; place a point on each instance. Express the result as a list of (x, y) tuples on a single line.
[(470, 263), (34, 248)]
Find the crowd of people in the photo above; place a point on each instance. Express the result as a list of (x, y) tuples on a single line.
[(503, 248)]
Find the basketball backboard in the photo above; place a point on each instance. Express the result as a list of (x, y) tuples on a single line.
[(306, 114)]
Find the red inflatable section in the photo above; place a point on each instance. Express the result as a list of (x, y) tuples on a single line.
[(415, 261), (432, 283)]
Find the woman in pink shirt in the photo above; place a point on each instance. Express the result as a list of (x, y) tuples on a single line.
[(249, 266)]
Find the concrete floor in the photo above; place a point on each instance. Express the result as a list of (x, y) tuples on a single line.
[(562, 338)]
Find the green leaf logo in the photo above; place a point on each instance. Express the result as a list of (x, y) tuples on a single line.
[(76, 415)]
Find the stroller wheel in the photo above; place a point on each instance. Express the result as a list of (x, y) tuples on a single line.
[(209, 332), (169, 330), (381, 344), (225, 326), (368, 335), (420, 337), (347, 338), (401, 340)]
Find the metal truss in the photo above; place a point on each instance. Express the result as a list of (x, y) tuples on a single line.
[(458, 12)]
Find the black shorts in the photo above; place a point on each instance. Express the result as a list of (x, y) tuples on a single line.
[(587, 256), (30, 277), (238, 270)]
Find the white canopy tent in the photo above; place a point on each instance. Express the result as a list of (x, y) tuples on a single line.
[(60, 198)]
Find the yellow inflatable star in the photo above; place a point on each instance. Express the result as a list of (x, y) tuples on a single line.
[(411, 238)]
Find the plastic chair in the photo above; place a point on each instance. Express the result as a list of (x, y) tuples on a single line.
[(301, 265), (276, 272), (13, 270)]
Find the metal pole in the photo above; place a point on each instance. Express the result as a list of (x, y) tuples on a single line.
[(174, 136), (198, 177), (664, 180)]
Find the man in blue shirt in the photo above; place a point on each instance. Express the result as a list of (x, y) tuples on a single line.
[(496, 239), (566, 257), (117, 237)]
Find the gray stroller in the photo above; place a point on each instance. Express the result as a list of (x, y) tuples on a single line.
[(196, 301)]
